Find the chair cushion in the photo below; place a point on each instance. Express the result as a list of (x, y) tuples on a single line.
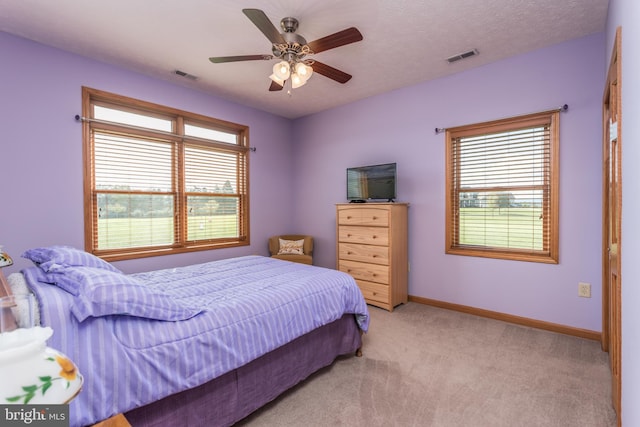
[(291, 247), (304, 259), (274, 243)]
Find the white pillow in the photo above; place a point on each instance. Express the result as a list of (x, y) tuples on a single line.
[(291, 247), (18, 286)]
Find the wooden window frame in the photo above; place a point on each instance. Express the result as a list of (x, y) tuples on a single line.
[(176, 137), (549, 252)]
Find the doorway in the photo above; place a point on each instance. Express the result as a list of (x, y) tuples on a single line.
[(611, 217)]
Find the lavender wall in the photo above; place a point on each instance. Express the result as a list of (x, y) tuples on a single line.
[(42, 160), (626, 13), (399, 127), (41, 163)]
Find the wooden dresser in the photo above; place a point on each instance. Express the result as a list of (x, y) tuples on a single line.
[(372, 247)]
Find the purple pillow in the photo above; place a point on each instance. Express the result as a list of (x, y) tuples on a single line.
[(73, 279), (104, 293), (56, 258)]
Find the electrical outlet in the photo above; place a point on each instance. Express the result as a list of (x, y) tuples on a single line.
[(584, 290)]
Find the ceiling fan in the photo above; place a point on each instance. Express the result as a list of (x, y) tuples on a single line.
[(293, 51)]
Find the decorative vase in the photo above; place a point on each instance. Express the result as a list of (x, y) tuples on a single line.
[(33, 373)]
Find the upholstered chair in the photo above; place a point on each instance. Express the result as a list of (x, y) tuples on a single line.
[(291, 249)]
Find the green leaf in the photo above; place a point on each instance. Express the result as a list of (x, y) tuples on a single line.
[(45, 387), (14, 398), (28, 397), (30, 388), (45, 379)]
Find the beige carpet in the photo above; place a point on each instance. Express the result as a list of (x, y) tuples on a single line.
[(425, 366)]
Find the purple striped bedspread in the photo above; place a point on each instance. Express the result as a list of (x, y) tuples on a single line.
[(251, 305)]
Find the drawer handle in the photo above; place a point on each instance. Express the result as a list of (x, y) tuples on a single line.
[(374, 293), (374, 256), (349, 252), (348, 216), (375, 217), (348, 235), (374, 236)]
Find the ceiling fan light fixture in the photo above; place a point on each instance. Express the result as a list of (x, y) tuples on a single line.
[(304, 71), (282, 70), (297, 81), (277, 80)]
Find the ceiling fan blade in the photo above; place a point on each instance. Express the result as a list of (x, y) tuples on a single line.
[(341, 38), (260, 20), (275, 87), (221, 59), (332, 73)]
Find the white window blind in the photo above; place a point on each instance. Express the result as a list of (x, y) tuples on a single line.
[(502, 188), (214, 198), (134, 187)]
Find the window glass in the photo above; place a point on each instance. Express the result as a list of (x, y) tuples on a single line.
[(212, 134), (132, 119)]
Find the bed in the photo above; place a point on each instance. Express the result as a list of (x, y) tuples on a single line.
[(203, 344)]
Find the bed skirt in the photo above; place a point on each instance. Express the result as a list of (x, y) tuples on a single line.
[(236, 394)]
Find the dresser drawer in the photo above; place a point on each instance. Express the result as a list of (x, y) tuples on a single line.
[(364, 253), (366, 235), (374, 291), (364, 216), (369, 272)]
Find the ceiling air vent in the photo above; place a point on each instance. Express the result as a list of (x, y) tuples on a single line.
[(185, 75), (463, 55)]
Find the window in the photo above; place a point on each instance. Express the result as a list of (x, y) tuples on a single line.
[(160, 180), (502, 188)]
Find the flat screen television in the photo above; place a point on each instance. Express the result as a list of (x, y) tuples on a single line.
[(374, 182)]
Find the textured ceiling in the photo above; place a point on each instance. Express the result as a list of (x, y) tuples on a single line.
[(405, 41)]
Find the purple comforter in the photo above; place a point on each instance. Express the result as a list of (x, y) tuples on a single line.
[(251, 305)]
